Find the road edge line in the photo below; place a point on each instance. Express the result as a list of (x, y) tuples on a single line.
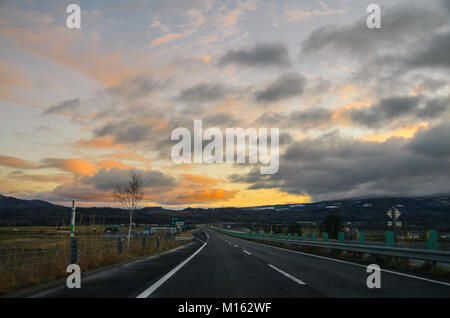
[(163, 279)]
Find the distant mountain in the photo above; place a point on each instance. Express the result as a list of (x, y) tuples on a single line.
[(416, 211)]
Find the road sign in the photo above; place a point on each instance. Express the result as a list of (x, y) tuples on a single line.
[(397, 223), (393, 213), (177, 220)]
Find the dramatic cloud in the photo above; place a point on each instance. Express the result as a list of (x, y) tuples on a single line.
[(399, 22), (269, 54), (435, 54), (434, 142), (109, 179), (303, 120), (286, 86), (202, 93), (392, 108), (126, 131), (77, 166), (331, 166), (387, 109)]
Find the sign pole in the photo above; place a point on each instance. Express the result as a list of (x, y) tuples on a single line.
[(72, 222), (73, 239)]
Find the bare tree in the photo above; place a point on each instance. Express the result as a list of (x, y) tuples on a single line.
[(130, 197)]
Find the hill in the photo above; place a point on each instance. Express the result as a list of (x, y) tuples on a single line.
[(416, 211)]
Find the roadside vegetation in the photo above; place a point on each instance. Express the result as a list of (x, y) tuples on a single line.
[(35, 255)]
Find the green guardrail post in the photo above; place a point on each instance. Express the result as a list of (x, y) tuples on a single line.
[(325, 237), (389, 238), (284, 236), (313, 236), (304, 236), (341, 237), (295, 236), (361, 238), (289, 236), (432, 242)]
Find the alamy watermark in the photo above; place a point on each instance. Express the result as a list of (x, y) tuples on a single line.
[(235, 144)]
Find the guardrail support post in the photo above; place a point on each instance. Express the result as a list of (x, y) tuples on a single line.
[(325, 237), (304, 236), (432, 240), (295, 236), (341, 237), (313, 236), (157, 242), (144, 245), (389, 238), (361, 238)]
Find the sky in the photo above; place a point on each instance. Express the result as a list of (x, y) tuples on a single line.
[(361, 112)]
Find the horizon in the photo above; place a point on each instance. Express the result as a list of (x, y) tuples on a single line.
[(180, 208)]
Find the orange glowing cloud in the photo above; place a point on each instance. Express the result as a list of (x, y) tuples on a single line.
[(406, 132), (205, 196), (77, 166), (58, 178), (109, 164), (98, 143), (14, 162), (195, 178), (57, 44), (166, 39)]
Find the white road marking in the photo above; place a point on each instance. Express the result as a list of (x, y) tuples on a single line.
[(298, 281), (235, 245), (161, 281), (355, 264), (200, 240), (247, 252)]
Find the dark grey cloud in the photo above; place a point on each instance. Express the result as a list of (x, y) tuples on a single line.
[(311, 118), (260, 55), (398, 24), (286, 86), (126, 131), (332, 166), (387, 109), (220, 120), (434, 108), (110, 179), (411, 47), (202, 93), (434, 54), (434, 142), (69, 106)]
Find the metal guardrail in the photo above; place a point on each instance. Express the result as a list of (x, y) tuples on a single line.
[(411, 253)]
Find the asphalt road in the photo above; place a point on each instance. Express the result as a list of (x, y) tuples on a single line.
[(220, 266)]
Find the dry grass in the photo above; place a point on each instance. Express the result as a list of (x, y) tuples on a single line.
[(26, 262)]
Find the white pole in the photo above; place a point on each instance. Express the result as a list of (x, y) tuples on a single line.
[(72, 222)]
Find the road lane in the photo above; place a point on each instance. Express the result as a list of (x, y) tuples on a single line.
[(339, 279), (221, 270)]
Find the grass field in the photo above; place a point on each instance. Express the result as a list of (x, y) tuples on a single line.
[(34, 255)]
